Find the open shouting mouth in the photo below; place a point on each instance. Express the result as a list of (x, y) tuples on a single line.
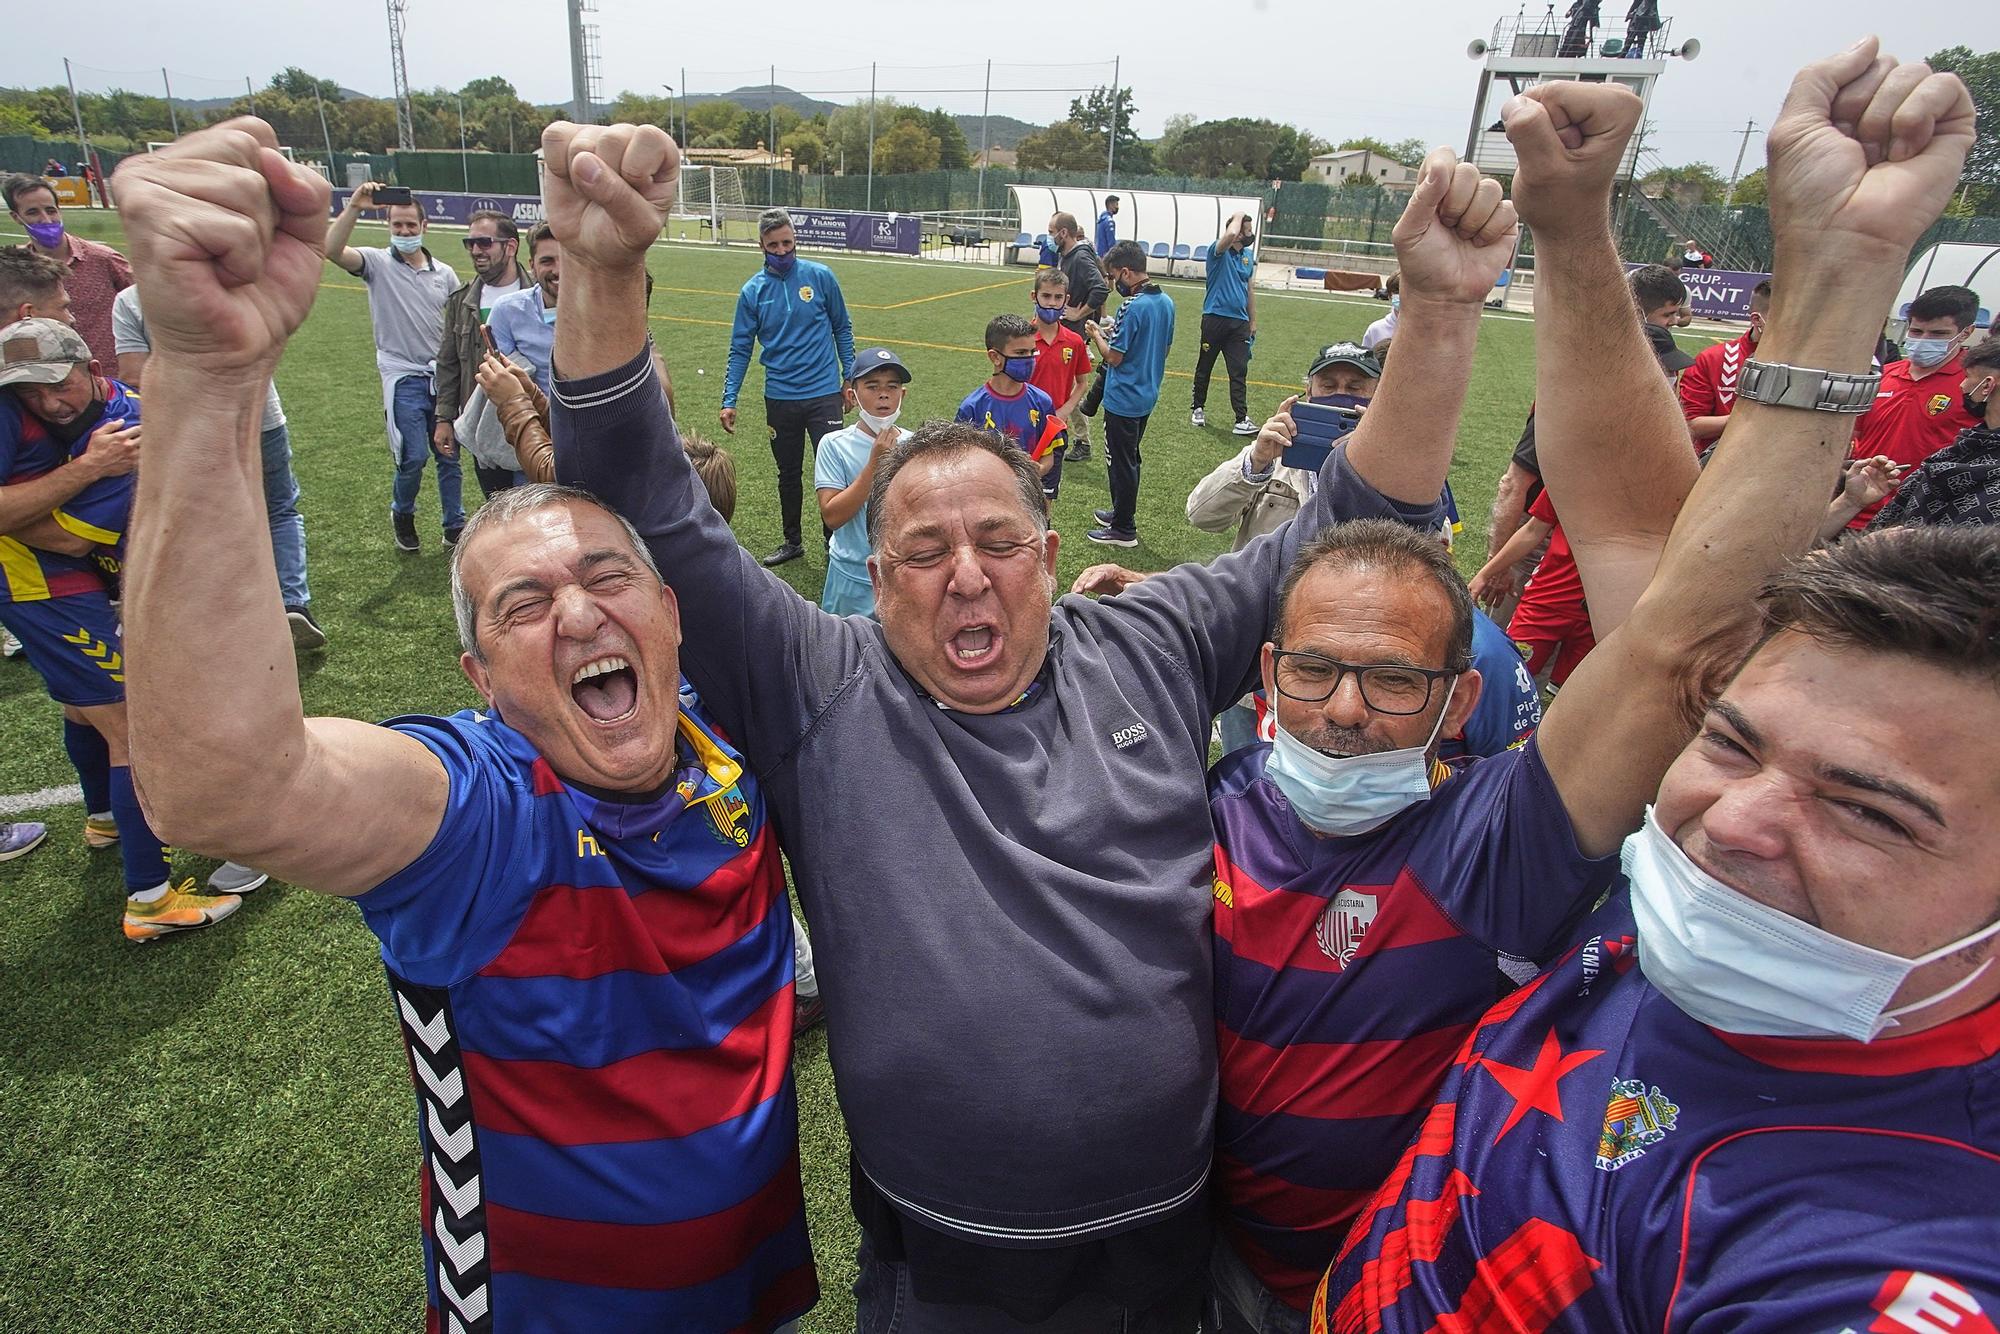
[(606, 689)]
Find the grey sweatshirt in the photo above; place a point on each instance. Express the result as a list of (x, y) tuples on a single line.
[(1010, 912)]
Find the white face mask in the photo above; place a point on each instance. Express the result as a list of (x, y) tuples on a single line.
[(879, 424), (1354, 794), (409, 245), (1735, 964)]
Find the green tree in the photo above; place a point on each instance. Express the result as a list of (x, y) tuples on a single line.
[(713, 116), (300, 86), (643, 109), (907, 147), (1291, 151), (954, 154), (1095, 113), (18, 119), (1063, 146), (1410, 151), (1695, 183), (1752, 190), (1368, 143), (807, 148), (1240, 146), (847, 133), (1981, 182)]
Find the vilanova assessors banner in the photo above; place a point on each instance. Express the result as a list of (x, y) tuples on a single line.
[(1718, 294), (879, 232)]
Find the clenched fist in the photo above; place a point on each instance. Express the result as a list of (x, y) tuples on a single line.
[(1569, 139), (606, 189)]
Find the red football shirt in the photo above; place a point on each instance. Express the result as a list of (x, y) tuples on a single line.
[(1912, 419), (1060, 363), (1708, 388), (1552, 606)]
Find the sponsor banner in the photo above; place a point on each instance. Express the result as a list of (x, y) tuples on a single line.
[(1718, 294), (882, 232), (455, 209)]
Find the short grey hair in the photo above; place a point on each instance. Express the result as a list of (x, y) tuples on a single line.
[(942, 439), (770, 220), (504, 507)]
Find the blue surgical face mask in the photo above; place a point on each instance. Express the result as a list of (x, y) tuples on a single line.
[(1123, 290), (1048, 314), (781, 264), (1396, 301), (1929, 352), (1018, 368), (408, 245), (1354, 794), (548, 314)]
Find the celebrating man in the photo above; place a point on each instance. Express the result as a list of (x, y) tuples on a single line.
[(1034, 1152)]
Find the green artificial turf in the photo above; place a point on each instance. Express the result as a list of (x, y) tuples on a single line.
[(215, 1131)]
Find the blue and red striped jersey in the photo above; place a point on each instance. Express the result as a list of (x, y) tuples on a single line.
[(97, 513), (1347, 972), (596, 998), (1023, 419), (1598, 1161)]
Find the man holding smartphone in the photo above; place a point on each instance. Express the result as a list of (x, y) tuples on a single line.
[(407, 291)]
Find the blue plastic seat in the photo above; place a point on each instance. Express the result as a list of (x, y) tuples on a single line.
[(1201, 253)]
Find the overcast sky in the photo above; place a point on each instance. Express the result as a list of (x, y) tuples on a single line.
[(1337, 67)]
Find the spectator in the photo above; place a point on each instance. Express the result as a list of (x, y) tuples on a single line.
[(1708, 389), (53, 168), (92, 273), (844, 473), (463, 839), (1062, 358), (524, 325), (68, 471), (1010, 406), (1382, 330), (493, 241), (31, 286), (1087, 295), (794, 308), (1918, 412), (1135, 360), (1107, 225), (1960, 484), (281, 486), (407, 292), (1229, 320), (1687, 1143), (1658, 293), (986, 905)]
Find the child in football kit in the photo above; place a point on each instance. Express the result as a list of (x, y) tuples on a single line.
[(844, 474), (1011, 405)]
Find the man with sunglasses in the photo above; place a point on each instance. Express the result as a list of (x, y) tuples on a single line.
[(493, 242)]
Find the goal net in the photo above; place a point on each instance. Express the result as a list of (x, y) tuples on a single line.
[(711, 194)]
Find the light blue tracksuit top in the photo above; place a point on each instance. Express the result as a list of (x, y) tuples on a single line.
[(801, 319)]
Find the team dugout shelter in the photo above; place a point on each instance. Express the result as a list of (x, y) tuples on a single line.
[(1176, 230)]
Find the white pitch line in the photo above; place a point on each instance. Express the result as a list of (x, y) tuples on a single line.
[(18, 802)]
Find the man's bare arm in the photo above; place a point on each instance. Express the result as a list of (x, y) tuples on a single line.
[(337, 248), (132, 367), (1864, 156), (227, 237)]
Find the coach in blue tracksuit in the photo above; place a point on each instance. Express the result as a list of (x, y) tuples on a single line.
[(794, 308), (1107, 226)]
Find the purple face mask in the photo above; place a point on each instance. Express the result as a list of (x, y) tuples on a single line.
[(48, 235)]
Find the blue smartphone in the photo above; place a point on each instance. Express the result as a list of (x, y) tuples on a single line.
[(1320, 427)]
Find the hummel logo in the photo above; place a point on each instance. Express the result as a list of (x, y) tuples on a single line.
[(1126, 737)]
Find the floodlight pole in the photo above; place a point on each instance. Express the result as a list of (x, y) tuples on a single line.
[(76, 108), (464, 164), (324, 133), (684, 106), (985, 107), (176, 120), (771, 142), (869, 205), (1111, 149)]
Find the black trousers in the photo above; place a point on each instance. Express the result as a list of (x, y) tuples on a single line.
[(1230, 338), (793, 421), (1121, 454), (493, 479)]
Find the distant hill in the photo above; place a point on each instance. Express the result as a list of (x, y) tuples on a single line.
[(1001, 131), (218, 103), (761, 97)]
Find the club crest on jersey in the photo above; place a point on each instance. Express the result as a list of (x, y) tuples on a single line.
[(805, 292), (1344, 923), (1634, 1121), (729, 816), (1938, 404)]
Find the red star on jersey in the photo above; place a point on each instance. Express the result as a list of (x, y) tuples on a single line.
[(1536, 1088)]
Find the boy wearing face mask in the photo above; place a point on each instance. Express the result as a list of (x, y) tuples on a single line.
[(844, 473), (1919, 409), (1960, 484), (1062, 358), (1009, 404)]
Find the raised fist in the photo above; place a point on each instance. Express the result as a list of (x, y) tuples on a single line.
[(1456, 234), (606, 190), (1569, 139), (227, 242)]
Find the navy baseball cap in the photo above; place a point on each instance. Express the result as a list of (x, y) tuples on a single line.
[(874, 359), (1345, 354)]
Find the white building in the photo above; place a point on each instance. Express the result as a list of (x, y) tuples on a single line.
[(1353, 164)]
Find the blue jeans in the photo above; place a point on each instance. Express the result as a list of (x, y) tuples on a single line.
[(1242, 1303), (416, 420), (281, 506)]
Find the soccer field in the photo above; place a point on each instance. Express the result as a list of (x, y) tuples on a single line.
[(215, 1131)]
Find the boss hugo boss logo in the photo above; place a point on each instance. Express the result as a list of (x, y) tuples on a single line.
[(1127, 737)]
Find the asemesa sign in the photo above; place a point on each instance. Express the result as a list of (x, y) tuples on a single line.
[(1718, 294), (457, 209)]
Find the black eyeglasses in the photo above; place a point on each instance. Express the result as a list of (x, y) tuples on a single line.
[(1311, 678), (479, 242)]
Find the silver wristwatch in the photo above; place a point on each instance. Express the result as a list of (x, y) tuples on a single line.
[(1782, 386)]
